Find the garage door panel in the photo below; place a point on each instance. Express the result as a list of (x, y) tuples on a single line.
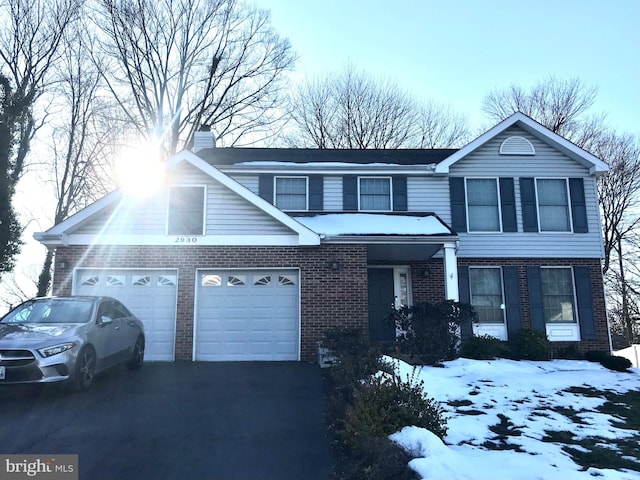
[(247, 315), (149, 294)]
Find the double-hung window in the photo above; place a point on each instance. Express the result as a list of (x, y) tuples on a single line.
[(558, 295), (483, 205), (291, 193), (375, 193), (186, 210), (553, 205), (486, 291)]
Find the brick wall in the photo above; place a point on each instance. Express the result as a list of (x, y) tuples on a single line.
[(329, 298), (602, 340)]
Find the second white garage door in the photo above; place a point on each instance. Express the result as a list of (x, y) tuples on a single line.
[(247, 315)]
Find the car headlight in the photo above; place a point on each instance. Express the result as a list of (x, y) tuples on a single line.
[(56, 349)]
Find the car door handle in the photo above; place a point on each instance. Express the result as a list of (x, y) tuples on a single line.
[(117, 328)]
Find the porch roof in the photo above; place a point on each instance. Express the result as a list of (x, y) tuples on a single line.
[(423, 226)]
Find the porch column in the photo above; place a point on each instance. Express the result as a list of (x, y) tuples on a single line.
[(451, 272)]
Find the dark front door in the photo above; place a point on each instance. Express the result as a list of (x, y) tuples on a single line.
[(381, 300)]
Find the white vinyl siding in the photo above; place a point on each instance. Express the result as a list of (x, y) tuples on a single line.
[(483, 205), (333, 194), (549, 163)]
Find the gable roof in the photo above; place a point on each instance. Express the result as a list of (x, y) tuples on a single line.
[(595, 165), (58, 233)]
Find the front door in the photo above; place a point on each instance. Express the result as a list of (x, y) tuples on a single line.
[(381, 303)]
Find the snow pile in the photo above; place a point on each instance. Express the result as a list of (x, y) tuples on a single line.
[(527, 394)]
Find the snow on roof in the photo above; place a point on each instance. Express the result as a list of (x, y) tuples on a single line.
[(374, 224), (319, 164)]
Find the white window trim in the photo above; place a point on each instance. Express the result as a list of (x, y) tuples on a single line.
[(275, 191), (466, 206), (360, 209), (565, 331), (204, 210), (503, 304), (553, 232)]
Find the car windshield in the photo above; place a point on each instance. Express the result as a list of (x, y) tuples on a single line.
[(56, 310)]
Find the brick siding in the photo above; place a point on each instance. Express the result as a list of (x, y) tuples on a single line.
[(329, 298)]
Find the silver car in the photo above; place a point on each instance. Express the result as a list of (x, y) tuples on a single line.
[(68, 339)]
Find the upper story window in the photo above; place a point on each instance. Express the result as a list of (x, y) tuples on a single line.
[(483, 205), (558, 295), (186, 211), (375, 193), (291, 193), (553, 205), (486, 291)]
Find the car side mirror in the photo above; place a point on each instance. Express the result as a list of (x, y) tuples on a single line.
[(104, 320)]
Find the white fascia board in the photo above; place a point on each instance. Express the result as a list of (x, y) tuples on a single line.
[(596, 166), (307, 236), (56, 236), (310, 169), (391, 239), (186, 240)]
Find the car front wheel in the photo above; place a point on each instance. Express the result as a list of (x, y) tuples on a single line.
[(85, 370), (138, 355)]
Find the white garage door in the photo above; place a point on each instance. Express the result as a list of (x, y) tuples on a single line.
[(248, 315), (149, 294)]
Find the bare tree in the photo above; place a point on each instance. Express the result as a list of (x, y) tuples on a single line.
[(30, 34), (355, 110), (559, 105), (563, 106), (173, 65), (78, 142)]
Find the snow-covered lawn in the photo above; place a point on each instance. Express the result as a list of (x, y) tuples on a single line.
[(500, 411)]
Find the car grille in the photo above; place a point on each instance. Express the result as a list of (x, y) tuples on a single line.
[(15, 358)]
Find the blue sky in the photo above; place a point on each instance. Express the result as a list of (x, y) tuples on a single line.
[(456, 51)]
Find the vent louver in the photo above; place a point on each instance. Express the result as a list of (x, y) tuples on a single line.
[(517, 146)]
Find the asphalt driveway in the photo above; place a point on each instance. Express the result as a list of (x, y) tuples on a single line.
[(183, 420)]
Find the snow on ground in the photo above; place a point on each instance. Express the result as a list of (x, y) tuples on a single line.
[(526, 393)]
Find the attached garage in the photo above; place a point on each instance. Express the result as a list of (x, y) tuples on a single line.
[(149, 294), (247, 315)]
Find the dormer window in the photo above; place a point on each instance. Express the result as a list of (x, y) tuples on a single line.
[(186, 211), (291, 193)]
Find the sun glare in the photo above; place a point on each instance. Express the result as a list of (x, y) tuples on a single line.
[(140, 172)]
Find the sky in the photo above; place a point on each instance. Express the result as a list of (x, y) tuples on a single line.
[(456, 51), (533, 396)]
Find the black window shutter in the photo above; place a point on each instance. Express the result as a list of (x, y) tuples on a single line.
[(400, 193), (512, 299), (584, 296), (508, 205), (350, 192), (578, 205), (536, 308), (265, 187), (458, 204), (528, 200), (316, 192), (464, 294)]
